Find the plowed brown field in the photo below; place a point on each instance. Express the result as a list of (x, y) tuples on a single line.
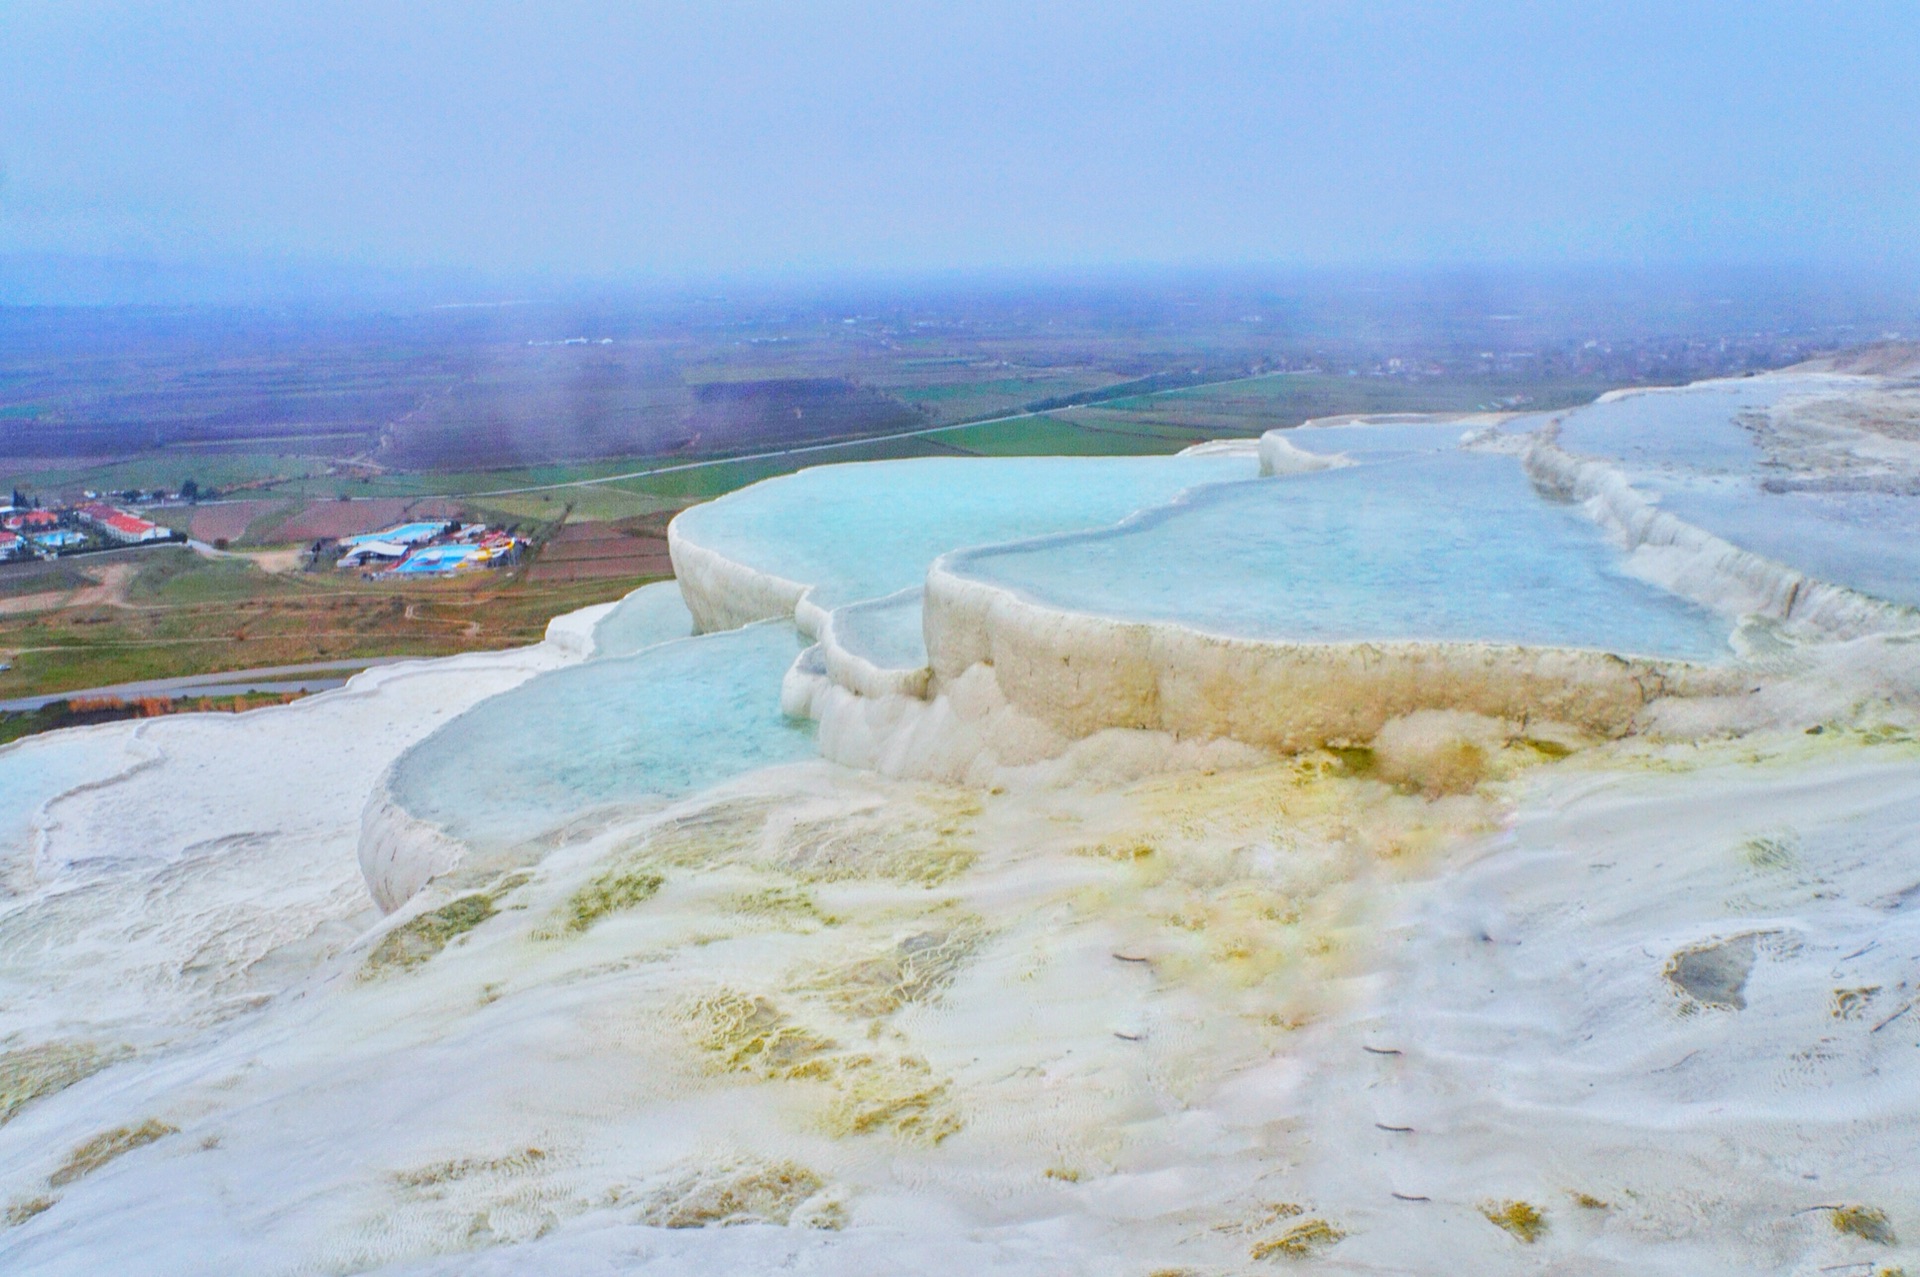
[(597, 551), (351, 518), (228, 520)]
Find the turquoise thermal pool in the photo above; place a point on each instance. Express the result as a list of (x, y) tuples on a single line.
[(1696, 429), (624, 730), (865, 530), (886, 632), (1451, 546), (1380, 441), (651, 615), (1699, 454)]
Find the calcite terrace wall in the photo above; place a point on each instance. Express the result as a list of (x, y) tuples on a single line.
[(858, 674), (724, 594), (1078, 674), (400, 854), (1278, 456), (1697, 565), (1083, 673)]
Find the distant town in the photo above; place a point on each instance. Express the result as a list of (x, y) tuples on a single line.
[(28, 530), (422, 548)]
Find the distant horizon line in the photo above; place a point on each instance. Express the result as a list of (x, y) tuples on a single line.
[(43, 275)]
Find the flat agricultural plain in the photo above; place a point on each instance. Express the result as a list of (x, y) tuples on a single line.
[(168, 612)]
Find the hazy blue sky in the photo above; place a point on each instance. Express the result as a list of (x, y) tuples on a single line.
[(688, 138)]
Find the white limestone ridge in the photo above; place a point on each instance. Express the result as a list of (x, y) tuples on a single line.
[(400, 853), (1082, 673)]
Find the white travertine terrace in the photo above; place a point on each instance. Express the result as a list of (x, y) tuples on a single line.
[(1060, 675), (1346, 1010), (1066, 675), (400, 853), (1082, 673), (859, 672), (1698, 565), (724, 594)]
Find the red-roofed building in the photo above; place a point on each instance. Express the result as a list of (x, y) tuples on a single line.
[(122, 526), (31, 521), (11, 546)]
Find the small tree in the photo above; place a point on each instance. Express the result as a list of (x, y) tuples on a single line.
[(189, 490)]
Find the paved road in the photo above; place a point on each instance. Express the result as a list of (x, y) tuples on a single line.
[(274, 678)]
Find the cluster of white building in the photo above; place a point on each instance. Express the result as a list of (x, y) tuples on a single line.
[(429, 549), (117, 525)]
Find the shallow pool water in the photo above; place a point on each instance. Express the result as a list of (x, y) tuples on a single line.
[(888, 632), (1445, 546), (1867, 541), (649, 727), (862, 531), (1381, 440), (1695, 428), (37, 770), (651, 614), (1689, 451)]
